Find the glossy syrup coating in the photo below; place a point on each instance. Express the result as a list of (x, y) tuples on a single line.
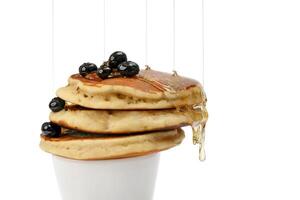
[(147, 81)]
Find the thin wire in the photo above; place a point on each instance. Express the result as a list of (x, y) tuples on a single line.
[(104, 30), (174, 35), (52, 46), (146, 32), (203, 44)]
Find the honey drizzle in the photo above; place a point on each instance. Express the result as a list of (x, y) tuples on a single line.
[(166, 82), (166, 88), (198, 128), (159, 85)]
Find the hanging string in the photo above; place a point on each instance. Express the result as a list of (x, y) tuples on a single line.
[(52, 47), (174, 37), (104, 30), (203, 44), (146, 34)]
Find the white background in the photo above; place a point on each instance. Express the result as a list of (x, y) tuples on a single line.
[(252, 60)]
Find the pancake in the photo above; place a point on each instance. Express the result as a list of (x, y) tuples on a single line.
[(148, 90), (124, 121), (91, 147)]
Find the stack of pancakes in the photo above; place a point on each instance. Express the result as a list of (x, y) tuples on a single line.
[(124, 117)]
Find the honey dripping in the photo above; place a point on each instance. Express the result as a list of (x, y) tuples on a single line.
[(198, 124), (198, 128)]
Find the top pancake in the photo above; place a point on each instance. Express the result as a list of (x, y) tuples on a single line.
[(148, 90)]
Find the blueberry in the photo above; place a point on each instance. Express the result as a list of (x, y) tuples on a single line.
[(116, 58), (51, 130), (87, 68), (104, 71), (57, 104), (128, 68)]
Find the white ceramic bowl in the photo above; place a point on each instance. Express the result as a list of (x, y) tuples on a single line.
[(119, 179)]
